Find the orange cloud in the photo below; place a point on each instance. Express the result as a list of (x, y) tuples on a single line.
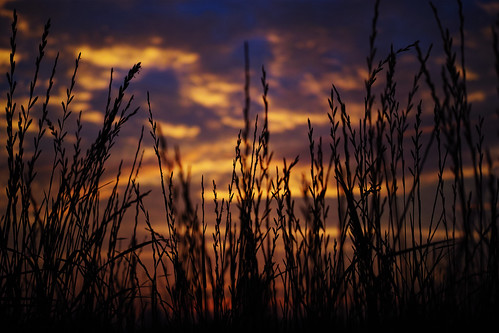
[(89, 81), (124, 56), (95, 117), (5, 57), (477, 96), (231, 122), (179, 131), (282, 120), (210, 91), (491, 8)]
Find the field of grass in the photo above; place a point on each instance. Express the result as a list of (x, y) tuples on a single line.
[(363, 246)]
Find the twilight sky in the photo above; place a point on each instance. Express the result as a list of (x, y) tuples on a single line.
[(193, 65)]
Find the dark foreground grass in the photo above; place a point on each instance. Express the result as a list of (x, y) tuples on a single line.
[(400, 259)]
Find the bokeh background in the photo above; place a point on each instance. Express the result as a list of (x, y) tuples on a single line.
[(192, 55)]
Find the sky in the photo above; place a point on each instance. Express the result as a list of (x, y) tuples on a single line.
[(192, 56)]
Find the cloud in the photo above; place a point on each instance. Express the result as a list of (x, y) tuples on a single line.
[(94, 117), (477, 96), (281, 120), (178, 131), (5, 58), (124, 56), (490, 7), (210, 91), (230, 121), (91, 80)]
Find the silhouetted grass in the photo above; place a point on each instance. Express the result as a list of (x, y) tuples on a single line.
[(400, 258)]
